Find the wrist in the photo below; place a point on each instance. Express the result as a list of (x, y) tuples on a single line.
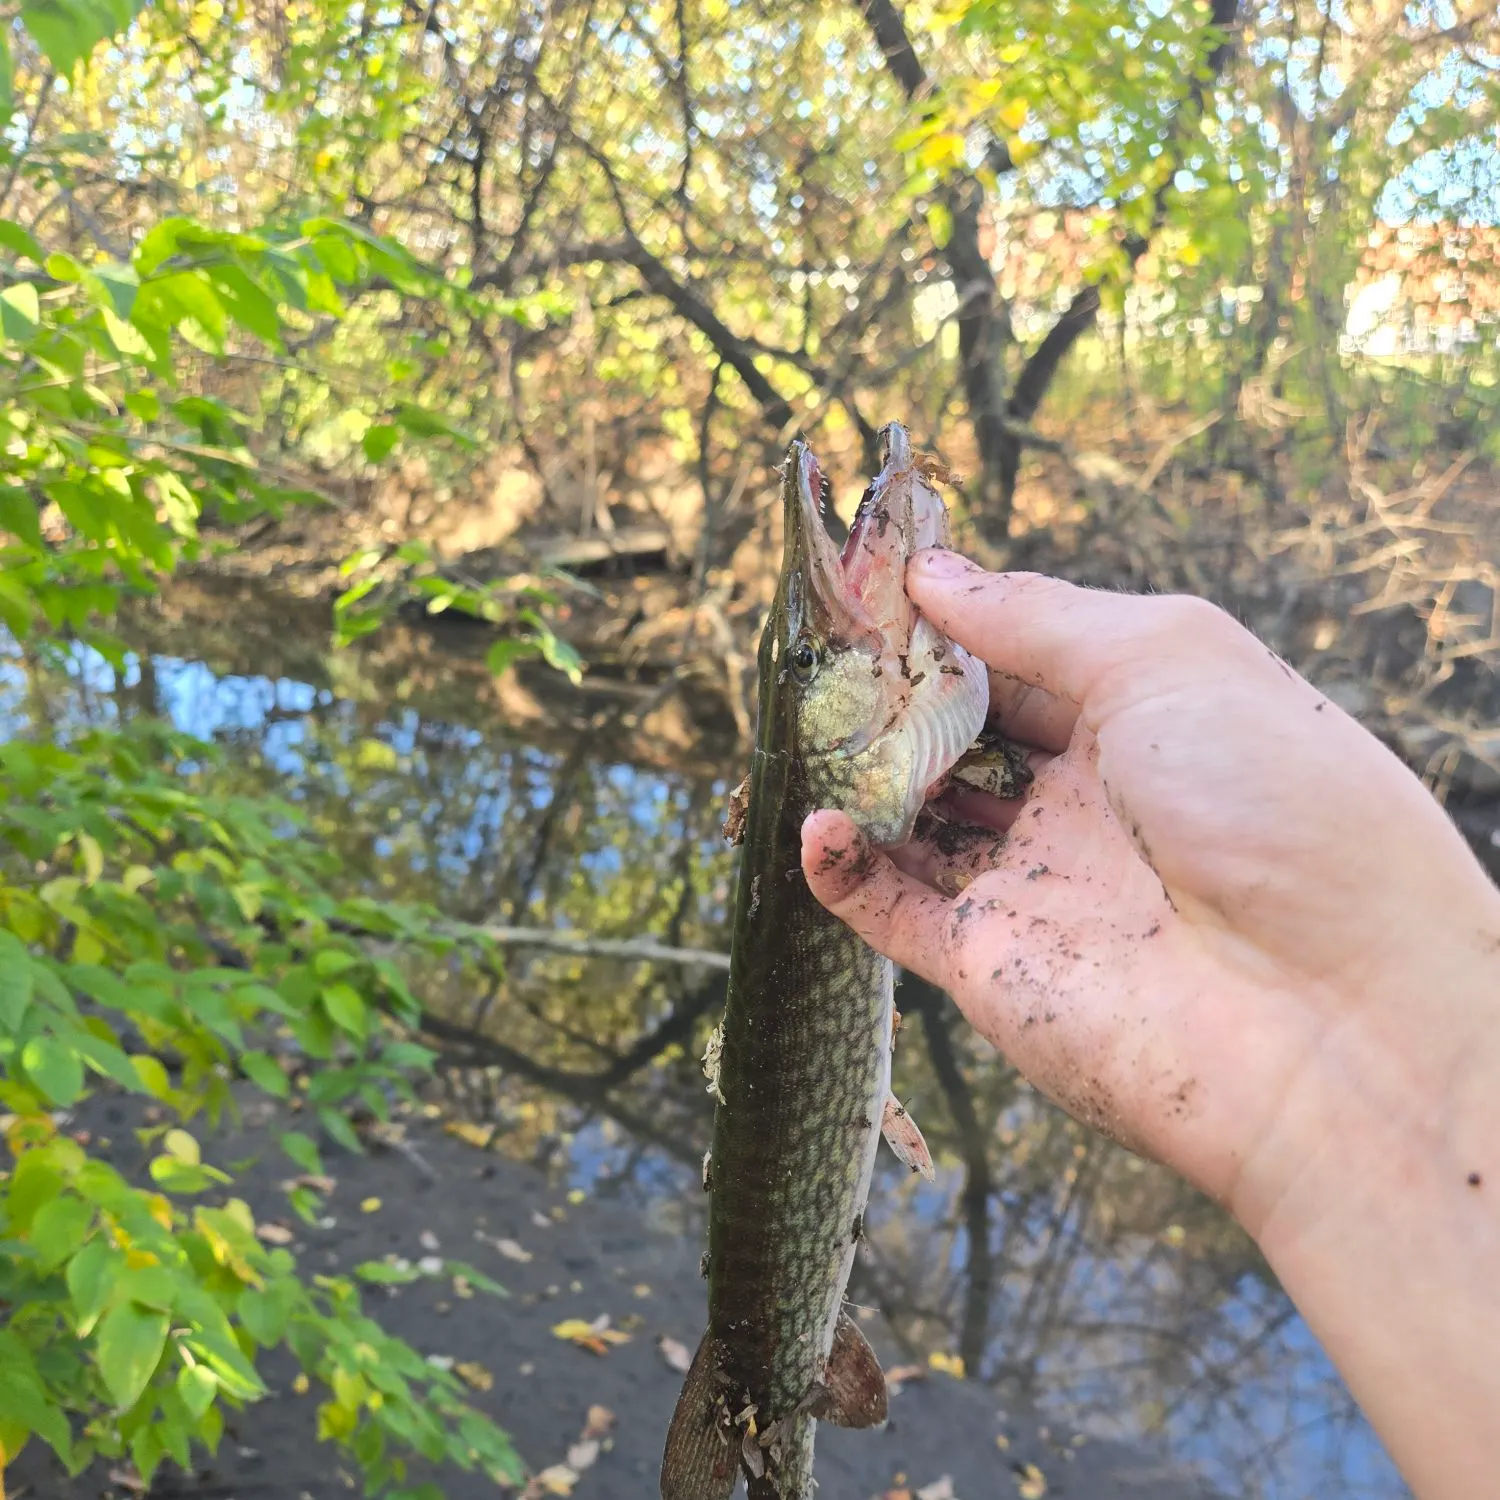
[(1376, 1200)]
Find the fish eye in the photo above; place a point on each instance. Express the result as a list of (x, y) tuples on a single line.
[(803, 659)]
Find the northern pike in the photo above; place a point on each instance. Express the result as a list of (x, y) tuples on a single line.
[(864, 706)]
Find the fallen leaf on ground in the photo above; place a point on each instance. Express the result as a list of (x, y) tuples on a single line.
[(428, 1240), (314, 1180), (559, 1479), (903, 1375), (583, 1454), (1030, 1482), (301, 1384), (461, 1287), (273, 1234), (939, 1489), (512, 1251), (470, 1133), (474, 1374), (641, 1289), (431, 1265), (899, 1493), (600, 1419), (576, 1195), (595, 1337), (128, 1479), (370, 1206), (675, 1354), (541, 1220), (949, 1364), (1002, 1442)]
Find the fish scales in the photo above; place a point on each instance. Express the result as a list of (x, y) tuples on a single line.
[(803, 1084), (863, 707)]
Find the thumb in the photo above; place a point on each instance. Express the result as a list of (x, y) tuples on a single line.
[(893, 912)]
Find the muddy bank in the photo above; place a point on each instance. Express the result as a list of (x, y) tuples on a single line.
[(590, 1257)]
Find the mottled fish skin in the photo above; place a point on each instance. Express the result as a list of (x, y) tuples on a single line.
[(804, 1067)]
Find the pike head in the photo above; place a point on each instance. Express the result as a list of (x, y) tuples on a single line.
[(873, 702)]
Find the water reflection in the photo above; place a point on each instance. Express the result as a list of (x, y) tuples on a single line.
[(1064, 1271)]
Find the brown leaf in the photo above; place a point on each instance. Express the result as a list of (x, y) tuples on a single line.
[(583, 1454), (675, 1354), (273, 1234), (902, 1375), (558, 1479), (600, 1420), (474, 1374)]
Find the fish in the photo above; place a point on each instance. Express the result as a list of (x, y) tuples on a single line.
[(864, 706)]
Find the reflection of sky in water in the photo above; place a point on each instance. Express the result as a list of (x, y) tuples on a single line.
[(1140, 1336)]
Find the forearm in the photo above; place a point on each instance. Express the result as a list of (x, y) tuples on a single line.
[(1388, 1236)]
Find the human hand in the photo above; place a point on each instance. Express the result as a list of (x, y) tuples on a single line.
[(1225, 925)]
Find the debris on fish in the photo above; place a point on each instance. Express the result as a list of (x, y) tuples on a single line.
[(904, 1137)]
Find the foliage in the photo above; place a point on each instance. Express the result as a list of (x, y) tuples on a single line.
[(156, 934)]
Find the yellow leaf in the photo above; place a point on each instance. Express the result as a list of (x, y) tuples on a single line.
[(300, 1385), (135, 877), (470, 1133), (577, 1195), (182, 1146), (945, 149), (93, 857), (474, 1374), (1031, 1482), (949, 1364), (559, 1479), (370, 1206), (1013, 115)]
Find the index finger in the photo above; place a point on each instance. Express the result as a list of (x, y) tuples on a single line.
[(1057, 636)]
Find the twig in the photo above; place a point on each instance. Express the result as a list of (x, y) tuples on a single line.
[(641, 949)]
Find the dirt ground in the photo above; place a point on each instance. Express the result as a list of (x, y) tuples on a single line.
[(590, 1257)]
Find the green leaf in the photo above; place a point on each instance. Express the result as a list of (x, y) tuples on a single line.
[(7, 82), (91, 1278), (303, 1152), (15, 980), (328, 962), (20, 241), (67, 30), (345, 1007), (263, 1071), (336, 1123), (54, 1068), (129, 1345), (59, 1228), (420, 422), (379, 440), (197, 1386), (20, 311), (24, 1399), (387, 1273)]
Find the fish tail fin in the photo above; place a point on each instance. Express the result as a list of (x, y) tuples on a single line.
[(701, 1461)]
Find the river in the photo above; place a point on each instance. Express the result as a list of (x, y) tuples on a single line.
[(1064, 1272)]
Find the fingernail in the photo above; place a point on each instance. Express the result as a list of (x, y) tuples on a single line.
[(940, 565)]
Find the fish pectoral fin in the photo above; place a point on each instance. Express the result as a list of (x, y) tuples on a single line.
[(904, 1137), (701, 1461), (853, 1391)]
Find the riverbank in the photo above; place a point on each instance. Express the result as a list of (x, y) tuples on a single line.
[(585, 1258)]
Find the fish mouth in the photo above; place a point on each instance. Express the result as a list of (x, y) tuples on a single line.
[(813, 573)]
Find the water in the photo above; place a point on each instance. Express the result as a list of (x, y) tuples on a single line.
[(1067, 1273)]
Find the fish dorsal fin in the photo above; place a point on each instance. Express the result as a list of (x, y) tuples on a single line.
[(854, 1393), (699, 1463)]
